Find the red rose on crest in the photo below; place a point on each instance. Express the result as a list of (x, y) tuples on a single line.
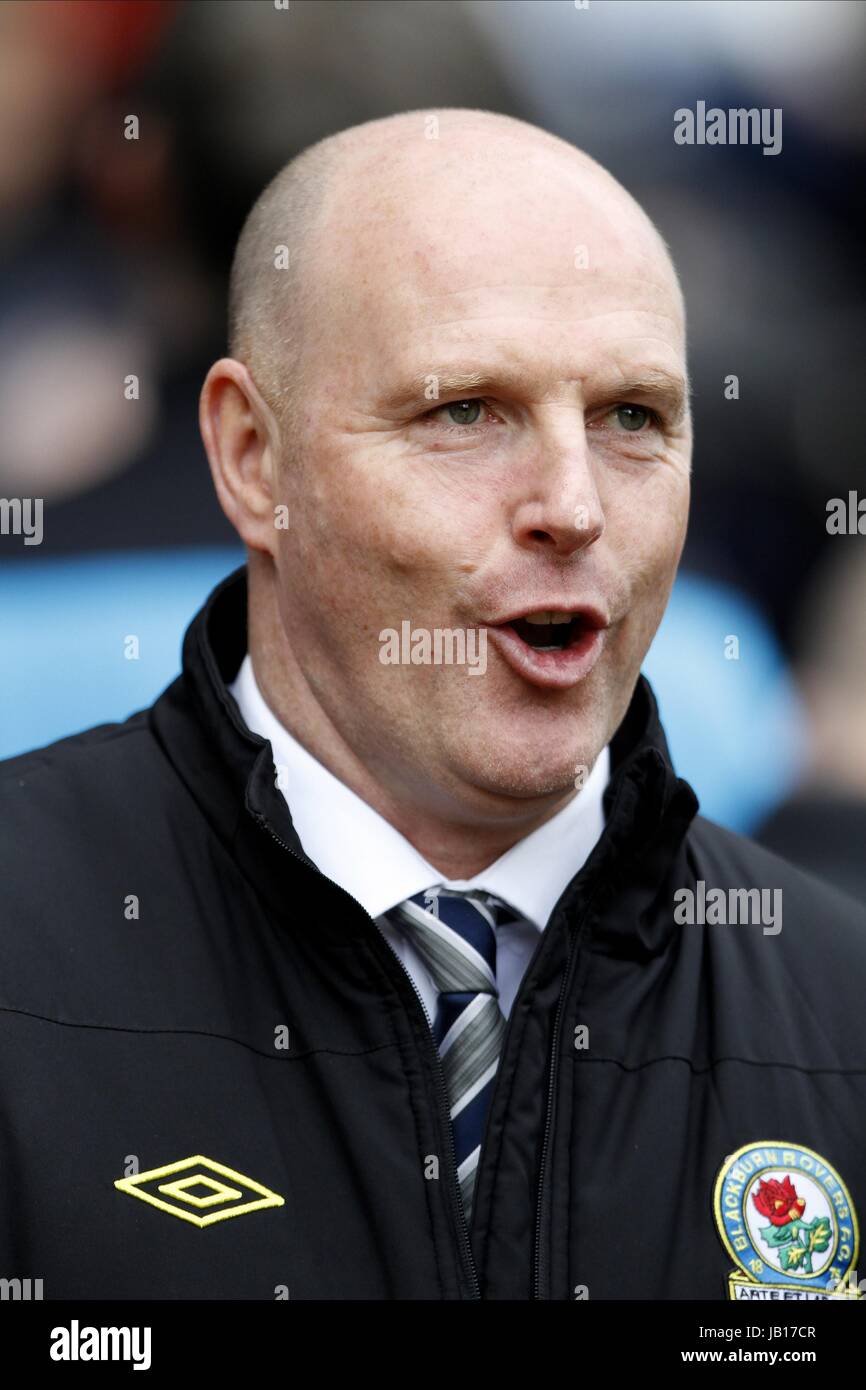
[(778, 1201)]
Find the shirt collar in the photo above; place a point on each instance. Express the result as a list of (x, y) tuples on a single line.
[(358, 849)]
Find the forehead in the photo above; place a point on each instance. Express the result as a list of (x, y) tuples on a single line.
[(515, 250)]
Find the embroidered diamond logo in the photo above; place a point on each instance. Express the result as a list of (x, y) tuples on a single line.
[(199, 1193)]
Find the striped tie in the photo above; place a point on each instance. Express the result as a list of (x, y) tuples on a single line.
[(454, 934)]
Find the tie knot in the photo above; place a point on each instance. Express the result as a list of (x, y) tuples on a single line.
[(493, 908), (454, 932)]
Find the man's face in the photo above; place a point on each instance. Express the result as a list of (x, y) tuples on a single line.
[(550, 475)]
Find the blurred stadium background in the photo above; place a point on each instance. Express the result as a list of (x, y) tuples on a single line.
[(115, 255)]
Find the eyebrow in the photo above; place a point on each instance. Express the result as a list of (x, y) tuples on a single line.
[(655, 383), (649, 383)]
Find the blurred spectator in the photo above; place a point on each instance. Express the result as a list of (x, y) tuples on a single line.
[(823, 826)]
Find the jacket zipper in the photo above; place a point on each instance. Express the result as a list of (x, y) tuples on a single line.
[(442, 1093), (548, 1121)]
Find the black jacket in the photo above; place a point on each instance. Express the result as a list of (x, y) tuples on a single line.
[(177, 982)]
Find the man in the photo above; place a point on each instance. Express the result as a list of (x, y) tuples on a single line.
[(385, 956)]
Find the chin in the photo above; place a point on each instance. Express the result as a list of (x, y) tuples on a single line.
[(528, 770)]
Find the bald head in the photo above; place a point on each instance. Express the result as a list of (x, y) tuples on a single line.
[(268, 288), (355, 196)]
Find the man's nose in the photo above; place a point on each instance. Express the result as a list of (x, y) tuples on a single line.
[(561, 511)]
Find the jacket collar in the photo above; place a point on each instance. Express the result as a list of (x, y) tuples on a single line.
[(229, 772)]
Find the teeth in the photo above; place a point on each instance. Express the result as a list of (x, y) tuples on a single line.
[(547, 617)]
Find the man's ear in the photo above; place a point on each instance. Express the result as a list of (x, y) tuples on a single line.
[(241, 438)]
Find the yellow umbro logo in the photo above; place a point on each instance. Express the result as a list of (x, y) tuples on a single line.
[(215, 1200)]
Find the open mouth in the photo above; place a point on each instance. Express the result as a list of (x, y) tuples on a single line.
[(550, 647), (549, 632)]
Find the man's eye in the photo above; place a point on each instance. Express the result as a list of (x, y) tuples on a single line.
[(634, 417), (461, 412)]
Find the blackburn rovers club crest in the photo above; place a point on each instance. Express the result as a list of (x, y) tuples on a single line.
[(787, 1220)]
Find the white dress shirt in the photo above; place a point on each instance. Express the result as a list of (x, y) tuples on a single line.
[(358, 849)]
